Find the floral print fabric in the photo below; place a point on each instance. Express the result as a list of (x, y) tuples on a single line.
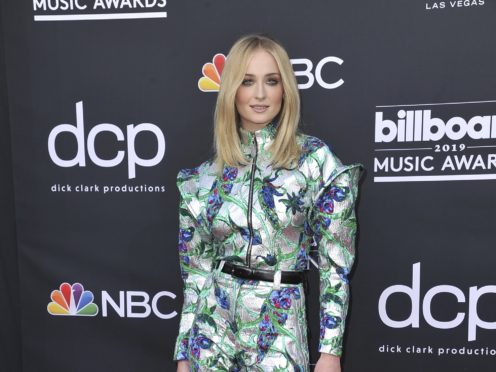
[(293, 210), (245, 325)]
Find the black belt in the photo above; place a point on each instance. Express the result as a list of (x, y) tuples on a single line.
[(243, 272)]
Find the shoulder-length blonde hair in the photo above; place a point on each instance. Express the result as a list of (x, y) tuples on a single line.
[(227, 146)]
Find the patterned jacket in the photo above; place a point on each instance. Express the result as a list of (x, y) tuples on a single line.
[(268, 218)]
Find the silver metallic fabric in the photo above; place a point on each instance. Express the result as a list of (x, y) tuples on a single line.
[(246, 325), (265, 218)]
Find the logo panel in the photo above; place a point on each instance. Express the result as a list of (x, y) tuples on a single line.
[(72, 300), (92, 10), (303, 69), (449, 141), (210, 81)]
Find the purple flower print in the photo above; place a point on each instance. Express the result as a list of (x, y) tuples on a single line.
[(311, 144), (185, 235), (186, 173), (198, 342), (280, 300), (229, 174), (327, 321), (221, 297)]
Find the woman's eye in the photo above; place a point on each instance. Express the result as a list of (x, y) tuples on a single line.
[(247, 82), (272, 81)]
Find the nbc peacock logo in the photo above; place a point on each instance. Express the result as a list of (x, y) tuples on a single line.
[(210, 81), (72, 300)]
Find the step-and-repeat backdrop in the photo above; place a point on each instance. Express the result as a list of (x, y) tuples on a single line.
[(108, 99)]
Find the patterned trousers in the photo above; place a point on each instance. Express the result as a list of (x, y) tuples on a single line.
[(248, 325)]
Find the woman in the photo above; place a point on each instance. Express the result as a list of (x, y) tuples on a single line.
[(248, 219)]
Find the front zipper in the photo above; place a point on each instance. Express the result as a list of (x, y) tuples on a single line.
[(250, 202)]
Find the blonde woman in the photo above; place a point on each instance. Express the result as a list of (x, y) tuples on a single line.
[(248, 218)]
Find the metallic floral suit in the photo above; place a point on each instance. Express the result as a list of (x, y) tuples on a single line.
[(265, 218)]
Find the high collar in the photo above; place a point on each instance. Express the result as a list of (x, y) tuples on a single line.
[(263, 136)]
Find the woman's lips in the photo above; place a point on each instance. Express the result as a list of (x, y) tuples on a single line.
[(259, 108)]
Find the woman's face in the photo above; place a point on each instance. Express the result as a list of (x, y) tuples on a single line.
[(259, 97)]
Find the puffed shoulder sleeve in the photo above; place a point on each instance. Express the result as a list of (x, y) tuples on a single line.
[(332, 222), (195, 252)]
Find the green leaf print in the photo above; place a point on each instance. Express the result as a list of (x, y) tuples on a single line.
[(205, 318)]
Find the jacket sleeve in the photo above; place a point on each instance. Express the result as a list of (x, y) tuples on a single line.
[(195, 254), (333, 224)]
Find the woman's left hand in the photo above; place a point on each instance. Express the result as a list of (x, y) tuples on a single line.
[(328, 363)]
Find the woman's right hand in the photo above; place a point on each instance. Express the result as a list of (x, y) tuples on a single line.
[(183, 366)]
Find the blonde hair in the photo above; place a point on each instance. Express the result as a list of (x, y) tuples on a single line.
[(227, 145)]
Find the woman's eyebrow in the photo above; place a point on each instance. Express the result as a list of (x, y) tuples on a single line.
[(269, 74)]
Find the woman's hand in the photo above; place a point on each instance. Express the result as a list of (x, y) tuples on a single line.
[(183, 366), (328, 363)]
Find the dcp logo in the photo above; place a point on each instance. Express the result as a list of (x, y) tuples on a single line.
[(475, 293), (132, 132)]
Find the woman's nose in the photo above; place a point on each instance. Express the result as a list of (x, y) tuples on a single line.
[(260, 91)]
